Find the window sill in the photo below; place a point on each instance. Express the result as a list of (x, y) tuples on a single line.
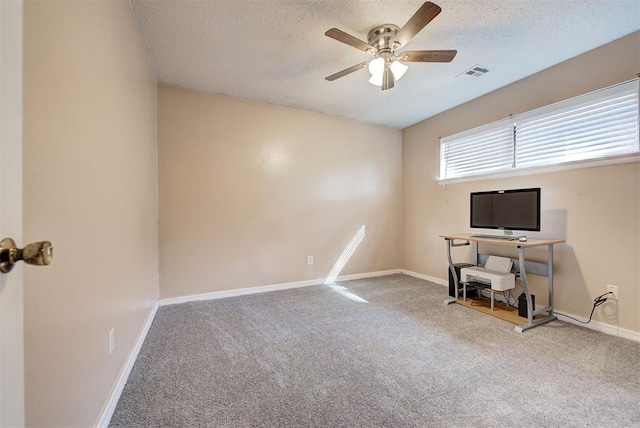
[(545, 169)]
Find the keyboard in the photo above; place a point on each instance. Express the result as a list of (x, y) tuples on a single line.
[(499, 237)]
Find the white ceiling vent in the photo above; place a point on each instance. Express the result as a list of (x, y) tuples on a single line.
[(475, 71)]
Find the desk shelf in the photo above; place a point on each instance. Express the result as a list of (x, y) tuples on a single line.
[(502, 311)]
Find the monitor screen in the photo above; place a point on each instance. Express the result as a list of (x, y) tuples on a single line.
[(517, 209)]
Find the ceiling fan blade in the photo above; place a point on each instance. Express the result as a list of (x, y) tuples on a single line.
[(427, 56), (422, 17), (343, 37), (346, 71), (388, 81)]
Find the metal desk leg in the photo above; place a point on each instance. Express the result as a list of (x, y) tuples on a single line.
[(550, 278), (530, 312), (451, 300)]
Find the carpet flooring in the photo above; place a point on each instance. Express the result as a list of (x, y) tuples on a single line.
[(378, 352)]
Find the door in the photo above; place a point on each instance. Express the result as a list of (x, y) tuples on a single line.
[(11, 296)]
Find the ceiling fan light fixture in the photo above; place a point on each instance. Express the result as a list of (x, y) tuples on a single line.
[(376, 79), (376, 66), (398, 69)]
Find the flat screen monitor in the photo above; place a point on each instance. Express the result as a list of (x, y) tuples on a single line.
[(517, 209)]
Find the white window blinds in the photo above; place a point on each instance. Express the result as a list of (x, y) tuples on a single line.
[(481, 150), (601, 124), (597, 125)]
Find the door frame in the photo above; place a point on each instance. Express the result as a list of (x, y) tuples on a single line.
[(12, 408)]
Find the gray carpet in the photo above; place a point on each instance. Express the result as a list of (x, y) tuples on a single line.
[(315, 357)]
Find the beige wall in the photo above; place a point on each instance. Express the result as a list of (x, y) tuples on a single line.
[(89, 187), (248, 190), (596, 209)]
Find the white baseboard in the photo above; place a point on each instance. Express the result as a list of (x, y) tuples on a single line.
[(107, 412), (601, 327), (440, 281), (593, 325), (266, 288), (367, 275), (237, 292)]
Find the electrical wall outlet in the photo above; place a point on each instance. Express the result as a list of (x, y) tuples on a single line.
[(613, 289), (112, 340), (309, 260)]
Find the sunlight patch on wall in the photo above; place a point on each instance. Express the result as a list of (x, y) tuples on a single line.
[(341, 262)]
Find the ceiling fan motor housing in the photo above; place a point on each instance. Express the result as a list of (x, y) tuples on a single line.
[(380, 38)]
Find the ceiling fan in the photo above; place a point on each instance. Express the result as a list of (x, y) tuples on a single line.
[(382, 43)]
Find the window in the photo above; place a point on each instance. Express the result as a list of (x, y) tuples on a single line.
[(601, 124)]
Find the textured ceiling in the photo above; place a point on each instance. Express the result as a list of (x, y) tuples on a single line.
[(275, 51)]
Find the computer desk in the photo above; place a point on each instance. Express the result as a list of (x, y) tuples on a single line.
[(520, 264)]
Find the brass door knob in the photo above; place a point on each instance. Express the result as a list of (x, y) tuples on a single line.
[(37, 253)]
